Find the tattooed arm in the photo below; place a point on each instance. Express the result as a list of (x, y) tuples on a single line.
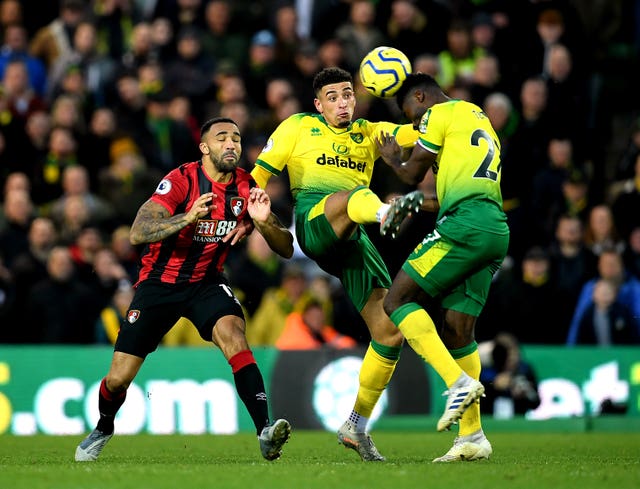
[(154, 223)]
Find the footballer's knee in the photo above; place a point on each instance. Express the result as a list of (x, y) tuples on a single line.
[(116, 382)]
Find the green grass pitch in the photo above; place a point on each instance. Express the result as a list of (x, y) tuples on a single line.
[(313, 459)]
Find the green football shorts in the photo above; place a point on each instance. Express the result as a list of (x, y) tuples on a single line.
[(457, 261), (356, 262)]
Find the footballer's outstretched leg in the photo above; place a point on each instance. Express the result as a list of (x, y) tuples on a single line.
[(399, 209)]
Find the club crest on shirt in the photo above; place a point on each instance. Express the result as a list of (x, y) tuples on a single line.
[(133, 315), (357, 137), (237, 205)]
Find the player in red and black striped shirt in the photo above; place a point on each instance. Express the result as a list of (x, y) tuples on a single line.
[(184, 225)]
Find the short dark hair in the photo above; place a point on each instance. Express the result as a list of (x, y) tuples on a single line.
[(216, 120), (414, 80), (328, 76)]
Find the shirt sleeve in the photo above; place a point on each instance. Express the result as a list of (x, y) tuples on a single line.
[(277, 151), (171, 191)]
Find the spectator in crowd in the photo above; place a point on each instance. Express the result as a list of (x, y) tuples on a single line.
[(94, 152), (182, 13), (601, 232), (458, 60), (547, 185), (21, 98), (306, 64), (127, 180), (75, 183), (163, 39), (191, 71), (308, 330), (62, 151), (222, 39), (56, 38), (606, 321), (114, 20), (107, 277), (18, 211), (572, 265), (126, 253), (359, 34), (568, 103), (34, 146), (511, 385), (277, 91), (140, 50), (260, 66), (412, 29), (627, 295), (10, 14), (331, 53), (268, 321), (98, 70), (287, 39), (523, 301), (60, 309), (16, 180), (530, 142), (15, 47), (30, 268), (485, 79)]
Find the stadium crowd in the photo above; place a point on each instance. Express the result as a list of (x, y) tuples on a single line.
[(100, 98)]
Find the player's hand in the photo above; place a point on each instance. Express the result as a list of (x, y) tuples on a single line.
[(388, 148), (201, 207), (259, 205), (241, 231)]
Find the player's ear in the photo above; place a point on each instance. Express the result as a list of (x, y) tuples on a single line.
[(204, 148)]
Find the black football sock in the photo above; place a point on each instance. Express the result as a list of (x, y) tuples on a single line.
[(108, 404), (250, 387)]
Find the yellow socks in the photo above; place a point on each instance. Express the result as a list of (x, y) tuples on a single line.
[(469, 360), (377, 368), (420, 331), (364, 206)]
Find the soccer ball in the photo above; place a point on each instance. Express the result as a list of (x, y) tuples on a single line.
[(383, 70)]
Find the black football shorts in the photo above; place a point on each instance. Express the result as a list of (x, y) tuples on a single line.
[(156, 307)]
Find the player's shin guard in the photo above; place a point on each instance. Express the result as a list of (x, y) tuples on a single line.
[(363, 206), (469, 360), (378, 365), (421, 334)]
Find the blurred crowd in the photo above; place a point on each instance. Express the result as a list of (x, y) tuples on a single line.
[(100, 98)]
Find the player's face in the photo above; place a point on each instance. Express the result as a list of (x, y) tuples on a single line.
[(222, 146), (413, 110), (336, 103)]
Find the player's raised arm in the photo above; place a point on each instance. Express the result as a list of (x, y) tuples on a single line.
[(277, 236), (411, 171)]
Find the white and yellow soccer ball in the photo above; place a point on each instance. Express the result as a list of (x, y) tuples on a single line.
[(383, 70)]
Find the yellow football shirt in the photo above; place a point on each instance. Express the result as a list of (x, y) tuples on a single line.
[(321, 159), (468, 153)]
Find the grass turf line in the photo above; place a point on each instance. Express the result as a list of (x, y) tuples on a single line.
[(313, 459)]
